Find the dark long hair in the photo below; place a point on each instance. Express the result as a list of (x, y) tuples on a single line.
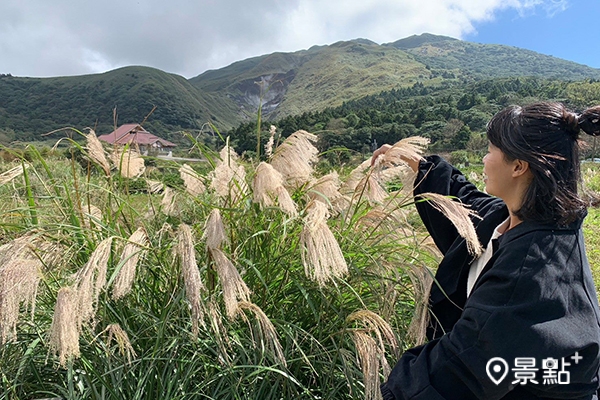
[(546, 135)]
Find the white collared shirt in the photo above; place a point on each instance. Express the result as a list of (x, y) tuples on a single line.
[(478, 264)]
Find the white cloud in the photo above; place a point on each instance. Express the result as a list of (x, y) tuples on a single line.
[(64, 37)]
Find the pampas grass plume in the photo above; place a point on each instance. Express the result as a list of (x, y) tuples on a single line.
[(21, 262), (12, 173), (191, 275), (19, 279), (64, 331), (270, 142), (326, 189), (214, 230), (168, 204), (294, 158), (408, 148), (285, 202), (354, 178), (422, 279), (268, 185), (220, 333), (132, 252), (266, 329), (116, 333), (90, 280), (234, 287), (372, 322), (459, 215), (191, 179), (321, 254), (154, 186), (129, 162), (228, 180), (368, 355), (96, 152), (371, 352)]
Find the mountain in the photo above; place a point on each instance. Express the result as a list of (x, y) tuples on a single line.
[(484, 61), (326, 76), (282, 84), (40, 105), (322, 76)]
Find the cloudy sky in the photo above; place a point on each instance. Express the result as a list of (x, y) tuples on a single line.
[(44, 38)]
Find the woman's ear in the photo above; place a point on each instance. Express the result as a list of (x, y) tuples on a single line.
[(520, 168)]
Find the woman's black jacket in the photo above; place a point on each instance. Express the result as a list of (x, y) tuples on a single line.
[(534, 299)]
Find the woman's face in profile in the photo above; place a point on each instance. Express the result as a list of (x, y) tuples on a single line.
[(497, 173)]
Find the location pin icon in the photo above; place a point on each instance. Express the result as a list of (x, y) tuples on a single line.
[(497, 369)]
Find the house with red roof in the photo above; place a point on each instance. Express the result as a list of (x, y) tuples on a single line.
[(136, 136)]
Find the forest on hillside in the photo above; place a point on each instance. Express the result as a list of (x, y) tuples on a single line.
[(452, 117)]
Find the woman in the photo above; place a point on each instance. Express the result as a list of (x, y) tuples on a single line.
[(521, 321)]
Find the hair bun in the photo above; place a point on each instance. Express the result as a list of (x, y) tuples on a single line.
[(589, 121), (571, 123)]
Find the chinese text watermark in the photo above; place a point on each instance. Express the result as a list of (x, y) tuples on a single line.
[(525, 370)]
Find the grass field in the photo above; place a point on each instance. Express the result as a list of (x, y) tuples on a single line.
[(130, 279)]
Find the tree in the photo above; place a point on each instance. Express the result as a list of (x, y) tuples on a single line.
[(462, 137)]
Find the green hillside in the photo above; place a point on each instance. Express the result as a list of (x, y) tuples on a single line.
[(33, 106), (322, 76), (325, 76), (484, 61), (453, 117)]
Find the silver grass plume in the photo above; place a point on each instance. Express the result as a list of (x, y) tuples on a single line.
[(371, 189), (234, 287), (90, 280), (368, 354), (349, 186), (321, 254), (373, 323), (12, 173), (371, 352), (191, 179), (381, 224), (154, 186), (285, 201), (64, 331), (129, 162), (191, 275), (116, 333), (459, 215), (96, 152), (270, 142), (268, 190), (402, 174), (134, 250), (19, 279), (214, 230), (294, 158), (266, 180), (21, 262), (429, 245), (228, 180), (422, 279), (269, 340), (326, 189), (408, 148), (168, 204), (219, 332)]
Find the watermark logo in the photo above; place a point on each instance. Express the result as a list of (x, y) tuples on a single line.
[(525, 370), (497, 369)]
